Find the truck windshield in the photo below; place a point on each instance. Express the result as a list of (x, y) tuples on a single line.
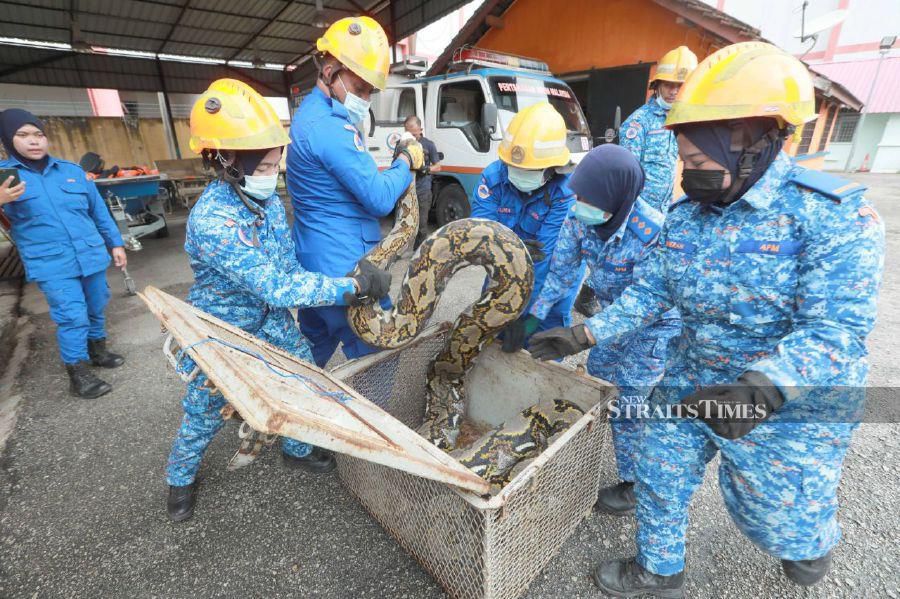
[(512, 94)]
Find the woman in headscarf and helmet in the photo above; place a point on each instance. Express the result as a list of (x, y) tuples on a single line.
[(245, 270), (775, 271), (644, 135), (612, 230), (526, 191)]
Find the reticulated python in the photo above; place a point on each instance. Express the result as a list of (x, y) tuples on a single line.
[(510, 272)]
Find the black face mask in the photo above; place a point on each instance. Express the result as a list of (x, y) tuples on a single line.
[(703, 186)]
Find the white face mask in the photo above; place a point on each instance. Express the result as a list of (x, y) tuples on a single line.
[(525, 180), (662, 103), (356, 107), (260, 187)]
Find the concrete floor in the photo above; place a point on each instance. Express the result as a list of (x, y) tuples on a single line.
[(82, 491)]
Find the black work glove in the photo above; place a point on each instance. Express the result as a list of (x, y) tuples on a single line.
[(734, 410), (587, 303), (372, 283), (515, 334), (559, 342), (535, 249)]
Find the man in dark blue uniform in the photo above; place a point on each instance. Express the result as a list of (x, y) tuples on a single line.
[(432, 159)]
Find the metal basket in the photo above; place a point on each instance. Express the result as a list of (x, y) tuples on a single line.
[(479, 547)]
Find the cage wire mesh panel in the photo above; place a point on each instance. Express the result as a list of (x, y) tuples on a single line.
[(474, 548)]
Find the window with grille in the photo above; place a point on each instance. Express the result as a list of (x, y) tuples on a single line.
[(829, 121), (807, 134), (846, 126)]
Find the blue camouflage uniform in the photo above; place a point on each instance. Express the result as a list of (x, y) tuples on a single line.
[(63, 231), (246, 273), (655, 147), (784, 282), (635, 362), (338, 195), (535, 216)]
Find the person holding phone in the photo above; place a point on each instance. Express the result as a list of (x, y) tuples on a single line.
[(65, 235)]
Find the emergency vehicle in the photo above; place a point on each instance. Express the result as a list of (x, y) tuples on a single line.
[(465, 112)]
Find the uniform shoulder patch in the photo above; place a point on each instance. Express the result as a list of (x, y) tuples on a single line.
[(484, 192), (643, 226), (632, 131), (357, 140), (831, 186)]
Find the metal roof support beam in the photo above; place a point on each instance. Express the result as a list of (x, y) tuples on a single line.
[(359, 7), (36, 63), (273, 91), (259, 30), (175, 25), (166, 109)]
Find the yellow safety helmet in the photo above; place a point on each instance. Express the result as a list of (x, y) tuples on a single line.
[(535, 139), (749, 79), (676, 65), (360, 44), (231, 115)]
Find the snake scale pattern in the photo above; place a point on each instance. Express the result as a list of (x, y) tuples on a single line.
[(466, 242)]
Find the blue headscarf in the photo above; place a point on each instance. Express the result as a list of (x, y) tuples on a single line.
[(714, 140), (11, 120), (610, 178)]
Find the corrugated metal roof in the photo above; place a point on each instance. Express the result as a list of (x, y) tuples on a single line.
[(273, 31), (857, 76)]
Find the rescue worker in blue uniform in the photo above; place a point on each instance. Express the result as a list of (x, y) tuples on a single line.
[(64, 233), (526, 191), (337, 190), (245, 269), (644, 135), (775, 271), (612, 231)]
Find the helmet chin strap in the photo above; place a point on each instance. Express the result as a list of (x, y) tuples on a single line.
[(740, 142), (232, 175)]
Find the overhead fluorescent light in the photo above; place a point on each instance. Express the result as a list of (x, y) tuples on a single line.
[(273, 66), (123, 52), (18, 41), (193, 59), (246, 64)]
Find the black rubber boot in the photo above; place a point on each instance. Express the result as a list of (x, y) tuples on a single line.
[(318, 461), (617, 500), (627, 578), (83, 383), (100, 356), (180, 504), (807, 572)]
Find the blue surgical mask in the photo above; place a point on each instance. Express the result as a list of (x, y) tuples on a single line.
[(356, 107), (525, 180), (260, 187), (591, 215), (662, 103)]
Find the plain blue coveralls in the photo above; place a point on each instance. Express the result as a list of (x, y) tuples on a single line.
[(64, 231), (532, 216), (338, 195)]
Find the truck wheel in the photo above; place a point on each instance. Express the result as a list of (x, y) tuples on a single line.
[(452, 204), (164, 232)]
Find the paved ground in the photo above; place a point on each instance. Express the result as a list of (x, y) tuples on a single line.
[(82, 491)]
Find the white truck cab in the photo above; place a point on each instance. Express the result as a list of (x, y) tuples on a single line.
[(465, 112)]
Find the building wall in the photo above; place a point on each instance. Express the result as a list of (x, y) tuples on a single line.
[(577, 35), (887, 160), (869, 136)]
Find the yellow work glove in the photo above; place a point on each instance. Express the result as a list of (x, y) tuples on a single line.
[(412, 149)]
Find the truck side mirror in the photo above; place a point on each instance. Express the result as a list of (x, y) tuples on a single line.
[(489, 117), (371, 123), (440, 156)]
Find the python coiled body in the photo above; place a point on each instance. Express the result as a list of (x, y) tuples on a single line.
[(501, 453), (461, 243)]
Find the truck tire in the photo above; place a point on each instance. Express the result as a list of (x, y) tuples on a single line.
[(451, 204)]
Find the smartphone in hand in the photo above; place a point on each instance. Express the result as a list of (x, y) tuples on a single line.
[(6, 173)]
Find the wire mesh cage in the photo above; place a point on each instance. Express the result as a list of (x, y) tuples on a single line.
[(481, 547)]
